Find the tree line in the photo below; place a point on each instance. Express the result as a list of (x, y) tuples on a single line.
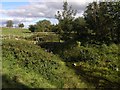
[(41, 26), (10, 23), (103, 21), (100, 23)]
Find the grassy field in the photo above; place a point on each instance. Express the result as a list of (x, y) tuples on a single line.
[(26, 65), (33, 67), (26, 34), (17, 32), (52, 64), (97, 64)]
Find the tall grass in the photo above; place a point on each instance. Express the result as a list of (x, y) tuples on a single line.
[(34, 67), (16, 31)]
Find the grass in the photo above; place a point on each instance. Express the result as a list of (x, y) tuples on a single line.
[(44, 37), (16, 32), (26, 34), (27, 65), (28, 78), (97, 64), (35, 67)]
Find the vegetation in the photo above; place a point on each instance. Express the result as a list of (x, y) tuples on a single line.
[(97, 64), (32, 28), (80, 52), (100, 23), (44, 37), (103, 20), (41, 26), (66, 18), (21, 25), (9, 23), (34, 67), (16, 32)]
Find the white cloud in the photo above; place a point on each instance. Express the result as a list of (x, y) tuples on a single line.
[(41, 9), (15, 20), (14, 0), (44, 8), (81, 1)]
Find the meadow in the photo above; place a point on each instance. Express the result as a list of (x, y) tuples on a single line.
[(26, 65), (14, 31), (54, 64)]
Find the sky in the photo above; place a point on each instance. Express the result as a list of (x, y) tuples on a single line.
[(31, 11)]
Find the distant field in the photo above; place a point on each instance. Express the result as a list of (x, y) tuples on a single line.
[(13, 33), (16, 31)]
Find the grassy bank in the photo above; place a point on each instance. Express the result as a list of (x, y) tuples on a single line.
[(54, 64), (16, 32), (30, 66), (97, 64)]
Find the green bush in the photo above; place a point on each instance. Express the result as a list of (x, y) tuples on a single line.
[(98, 61), (44, 37), (31, 57), (80, 54)]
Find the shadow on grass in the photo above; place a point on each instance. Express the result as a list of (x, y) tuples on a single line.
[(7, 82), (86, 76), (56, 47), (26, 32), (97, 81), (51, 46)]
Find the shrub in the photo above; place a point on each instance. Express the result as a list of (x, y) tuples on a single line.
[(45, 37), (33, 58)]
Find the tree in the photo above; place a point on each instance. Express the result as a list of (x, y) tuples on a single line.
[(101, 19), (79, 25), (55, 28), (43, 26), (116, 18), (66, 18), (32, 28), (21, 25), (9, 23), (81, 32)]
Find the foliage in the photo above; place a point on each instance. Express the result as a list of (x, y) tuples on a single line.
[(32, 28), (16, 32), (44, 37), (41, 26), (79, 25), (98, 62), (100, 23), (103, 20), (81, 32), (9, 23), (56, 29), (65, 19), (21, 25), (25, 59)]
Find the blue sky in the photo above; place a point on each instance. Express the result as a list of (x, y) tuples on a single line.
[(12, 5), (31, 11)]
